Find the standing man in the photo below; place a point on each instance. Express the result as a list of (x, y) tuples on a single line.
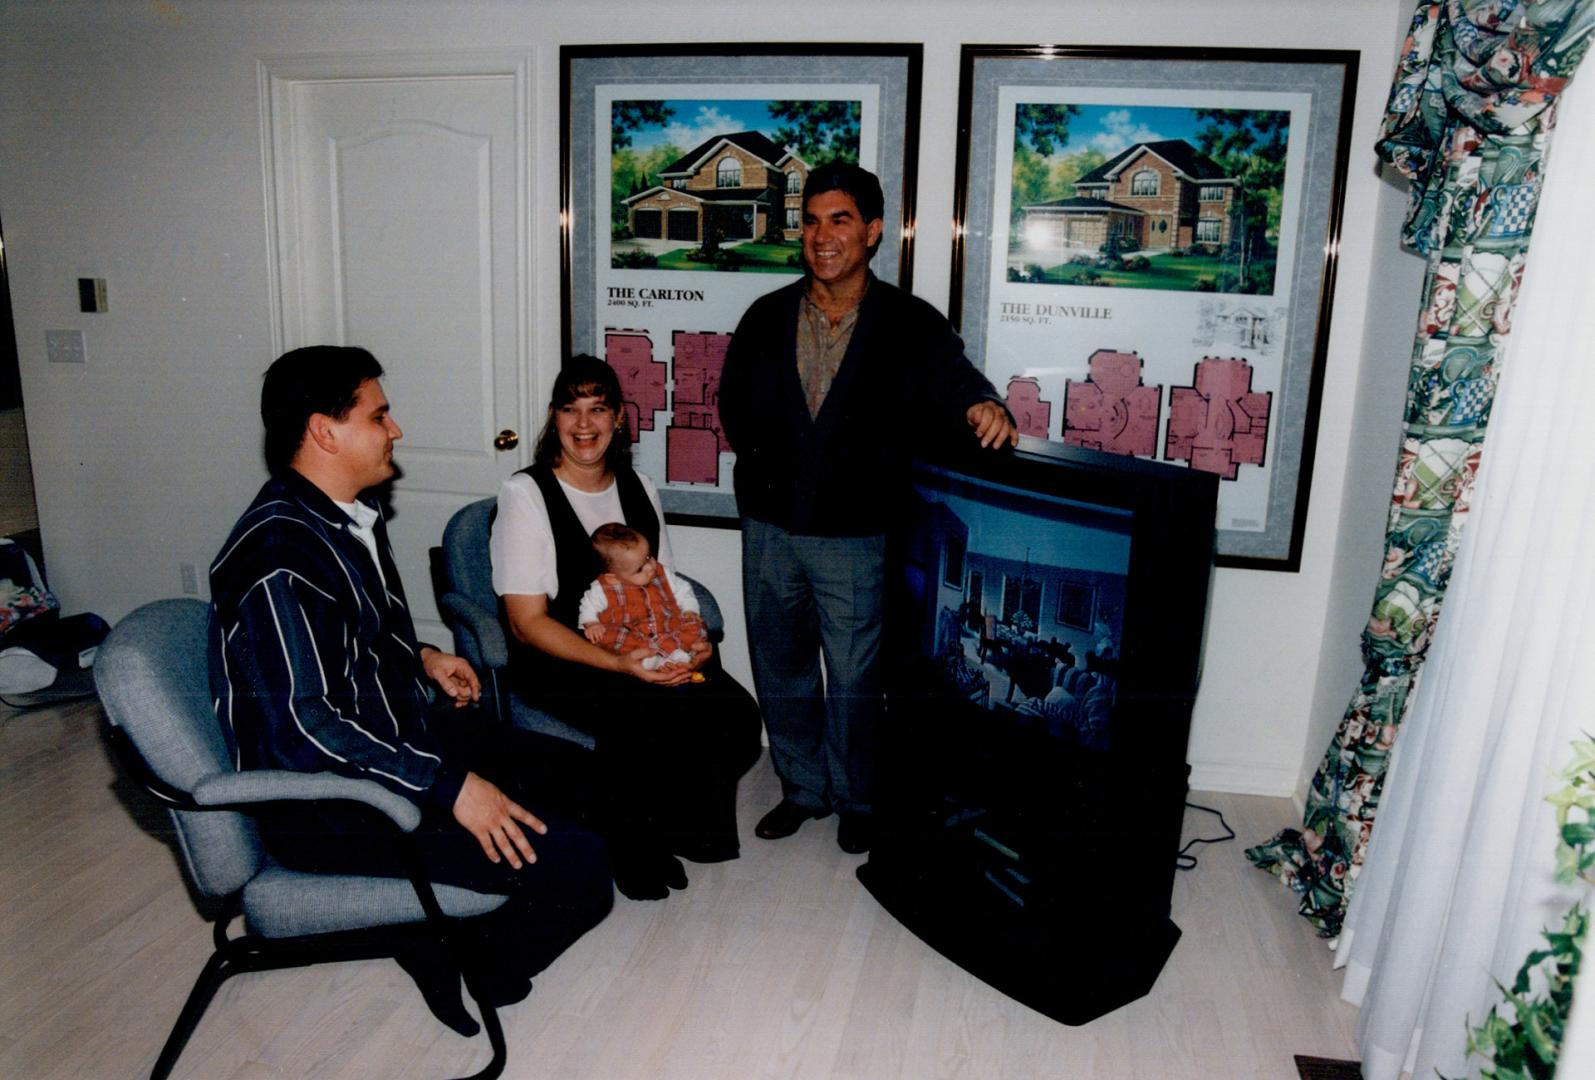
[(827, 384), (315, 668)]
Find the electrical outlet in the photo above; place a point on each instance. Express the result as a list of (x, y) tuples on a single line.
[(190, 579), (65, 347)]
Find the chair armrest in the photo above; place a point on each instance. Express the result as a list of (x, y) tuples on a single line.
[(482, 624), (278, 785), (708, 607)]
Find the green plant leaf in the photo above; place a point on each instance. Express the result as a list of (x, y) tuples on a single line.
[(1583, 758), (1526, 1047), (1539, 1039), (1577, 834), (1572, 795)]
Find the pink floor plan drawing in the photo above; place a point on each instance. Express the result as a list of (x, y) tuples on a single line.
[(1031, 411), (694, 439), (1111, 409), (1220, 423), (642, 378)]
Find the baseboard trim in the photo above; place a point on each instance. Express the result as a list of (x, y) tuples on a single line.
[(1243, 779)]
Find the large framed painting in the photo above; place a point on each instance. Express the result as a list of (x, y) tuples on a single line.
[(1144, 258), (683, 172)]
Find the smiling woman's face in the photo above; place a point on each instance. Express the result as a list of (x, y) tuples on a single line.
[(585, 428)]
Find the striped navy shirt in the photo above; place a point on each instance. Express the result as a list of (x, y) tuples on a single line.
[(314, 664)]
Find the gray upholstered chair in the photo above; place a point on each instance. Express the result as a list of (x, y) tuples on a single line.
[(153, 680), (471, 609)]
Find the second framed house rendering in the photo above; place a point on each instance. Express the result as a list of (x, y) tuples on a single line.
[(1144, 258), (683, 176)]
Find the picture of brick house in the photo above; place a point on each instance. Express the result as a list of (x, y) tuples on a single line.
[(1153, 196), (737, 181)]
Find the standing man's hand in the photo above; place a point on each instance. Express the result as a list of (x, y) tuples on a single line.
[(993, 426), (491, 816), (453, 675)]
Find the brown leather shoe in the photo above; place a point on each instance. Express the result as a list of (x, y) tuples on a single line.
[(787, 818)]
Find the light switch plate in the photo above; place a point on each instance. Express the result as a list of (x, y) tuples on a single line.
[(65, 347), (91, 295)]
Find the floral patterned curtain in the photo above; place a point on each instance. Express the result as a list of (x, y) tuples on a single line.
[(1468, 122)]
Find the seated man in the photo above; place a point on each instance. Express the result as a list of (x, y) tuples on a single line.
[(315, 667)]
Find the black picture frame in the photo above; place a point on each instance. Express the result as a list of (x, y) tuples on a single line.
[(1077, 602)]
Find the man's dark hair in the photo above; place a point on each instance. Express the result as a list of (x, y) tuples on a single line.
[(585, 376), (852, 180), (302, 382)]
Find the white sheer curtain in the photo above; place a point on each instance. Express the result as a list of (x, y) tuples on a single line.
[(1459, 878)]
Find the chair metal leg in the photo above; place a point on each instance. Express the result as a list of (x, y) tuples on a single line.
[(215, 972), (495, 1033), (498, 698), (445, 928), (249, 952)]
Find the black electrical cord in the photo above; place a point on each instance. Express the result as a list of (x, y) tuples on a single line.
[(1185, 860)]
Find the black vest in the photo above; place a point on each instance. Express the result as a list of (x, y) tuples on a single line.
[(576, 563)]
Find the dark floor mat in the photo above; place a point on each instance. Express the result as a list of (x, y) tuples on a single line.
[(1317, 1068)]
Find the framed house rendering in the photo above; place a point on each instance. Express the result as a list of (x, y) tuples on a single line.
[(1153, 196), (1143, 259), (739, 184)]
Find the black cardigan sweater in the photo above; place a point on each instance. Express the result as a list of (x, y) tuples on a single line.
[(903, 385)]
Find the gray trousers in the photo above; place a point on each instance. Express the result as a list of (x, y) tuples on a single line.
[(807, 597)]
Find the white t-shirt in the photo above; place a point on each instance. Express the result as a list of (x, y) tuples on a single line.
[(362, 523), (522, 544)]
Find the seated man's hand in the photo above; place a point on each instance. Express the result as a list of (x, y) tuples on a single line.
[(491, 816), (993, 426), (594, 633), (453, 675)]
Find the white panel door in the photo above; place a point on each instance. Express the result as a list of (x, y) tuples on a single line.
[(400, 202)]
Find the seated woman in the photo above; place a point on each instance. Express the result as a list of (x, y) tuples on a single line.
[(669, 747)]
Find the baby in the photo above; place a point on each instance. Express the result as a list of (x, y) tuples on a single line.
[(638, 603)]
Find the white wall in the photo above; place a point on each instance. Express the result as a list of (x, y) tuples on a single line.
[(1391, 321), (130, 150)]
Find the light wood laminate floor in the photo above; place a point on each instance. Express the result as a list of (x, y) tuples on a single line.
[(773, 966)]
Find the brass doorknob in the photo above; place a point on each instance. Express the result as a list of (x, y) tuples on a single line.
[(506, 440)]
